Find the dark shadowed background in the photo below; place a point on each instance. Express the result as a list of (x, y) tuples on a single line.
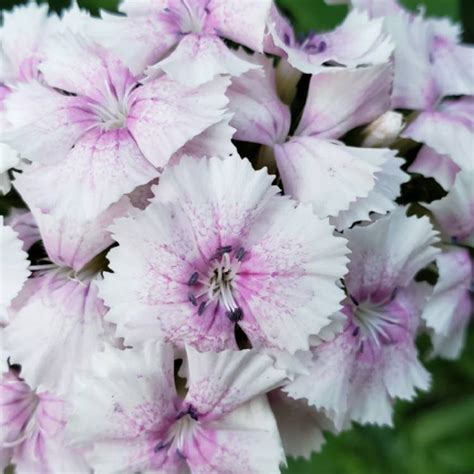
[(435, 434)]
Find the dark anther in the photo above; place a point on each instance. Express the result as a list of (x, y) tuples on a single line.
[(235, 315), (159, 447), (193, 279), (322, 46), (354, 300), (356, 330), (193, 413), (201, 308), (224, 249), (394, 294), (286, 39), (192, 299), (240, 254)]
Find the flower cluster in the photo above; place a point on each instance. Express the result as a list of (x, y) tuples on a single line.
[(231, 237)]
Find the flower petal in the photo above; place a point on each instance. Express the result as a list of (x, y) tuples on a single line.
[(341, 100), (44, 123), (97, 172), (455, 212), (198, 59), (381, 199), (430, 163), (63, 320), (344, 45), (166, 115), (327, 174), (220, 383), (242, 21), (387, 254), (259, 116), (449, 308), (13, 268)]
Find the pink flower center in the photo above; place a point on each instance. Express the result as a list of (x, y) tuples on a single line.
[(218, 284)]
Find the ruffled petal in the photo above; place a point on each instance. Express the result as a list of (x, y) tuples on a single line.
[(361, 385), (24, 224), (455, 212), (139, 39), (74, 63), (122, 406), (327, 174), (387, 254), (63, 319), (220, 383), (69, 240), (177, 236), (198, 59), (23, 30), (345, 45), (259, 116), (381, 199), (44, 123), (214, 141), (449, 67), (435, 165), (343, 99), (449, 131), (13, 268), (242, 21), (165, 115), (449, 308), (414, 85), (97, 172), (246, 440), (301, 426), (289, 283)]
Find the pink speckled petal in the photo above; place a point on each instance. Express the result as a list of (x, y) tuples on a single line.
[(449, 309), (448, 130), (242, 21), (220, 383), (259, 114), (166, 115), (24, 224), (44, 123), (246, 440), (122, 406), (63, 320), (387, 254), (455, 212), (432, 164), (301, 426), (198, 59), (381, 199), (327, 174), (344, 45), (341, 100), (23, 31), (97, 172), (76, 64), (70, 240)]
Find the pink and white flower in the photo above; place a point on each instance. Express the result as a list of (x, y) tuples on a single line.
[(374, 361), (184, 38), (32, 432), (129, 410), (200, 260), (345, 183), (96, 131), (449, 308), (342, 47)]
